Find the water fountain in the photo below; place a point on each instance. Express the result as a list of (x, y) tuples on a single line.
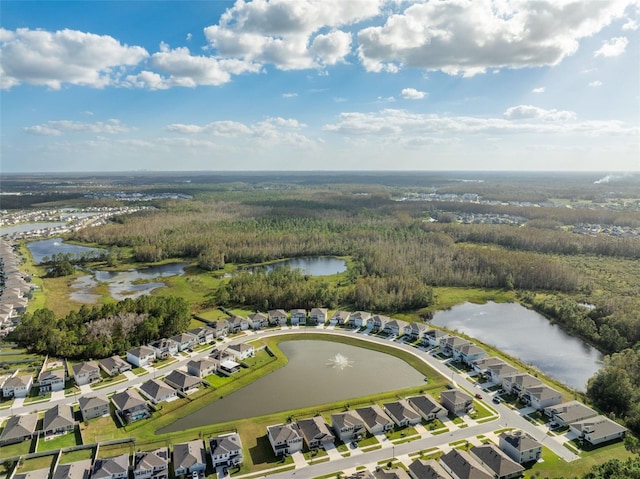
[(340, 361)]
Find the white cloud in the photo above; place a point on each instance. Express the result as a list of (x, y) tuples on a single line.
[(289, 95), (538, 90), (529, 112), (631, 24), (595, 84), (39, 57), (412, 94), (612, 48), (189, 37), (58, 127), (470, 36), (290, 34)]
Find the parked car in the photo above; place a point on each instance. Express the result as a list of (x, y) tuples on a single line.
[(496, 400), (479, 396)]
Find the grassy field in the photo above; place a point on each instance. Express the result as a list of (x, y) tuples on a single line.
[(43, 462)]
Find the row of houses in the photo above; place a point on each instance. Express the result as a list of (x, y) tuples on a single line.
[(15, 288), (184, 460)]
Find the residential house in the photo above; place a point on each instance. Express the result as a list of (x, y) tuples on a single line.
[(318, 315), (185, 341), (277, 317), (456, 402), (151, 464), (189, 457), (74, 470), (496, 461), (58, 420), (468, 353), (427, 407), (226, 450), (395, 327), (86, 373), (481, 366), (375, 420), (114, 365), (130, 405), (158, 391), (222, 327), (459, 464), (36, 474), (568, 412), (298, 317), (450, 346), (597, 430), (542, 396), (315, 432), (182, 381), (421, 469), (17, 386), (18, 429), (238, 323), (285, 439), (519, 383), (415, 331), (340, 317), (141, 356), (379, 321), (111, 467), (228, 367), (258, 320), (93, 406), (520, 447), (51, 380), (348, 426), (402, 413), (203, 334), (241, 351), (359, 319), (497, 372), (164, 348), (202, 367), (434, 337), (395, 473)]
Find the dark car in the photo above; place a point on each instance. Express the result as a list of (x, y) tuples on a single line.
[(479, 396), (496, 400)]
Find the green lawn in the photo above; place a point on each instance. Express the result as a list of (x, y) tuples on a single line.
[(66, 440), (16, 449), (36, 463), (79, 455)]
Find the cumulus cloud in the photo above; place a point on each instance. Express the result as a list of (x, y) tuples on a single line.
[(538, 90), (289, 95), (631, 24), (51, 59), (612, 48), (59, 127), (470, 36), (412, 94), (595, 84), (529, 112), (290, 34)]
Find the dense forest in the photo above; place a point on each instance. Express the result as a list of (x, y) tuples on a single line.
[(99, 332)]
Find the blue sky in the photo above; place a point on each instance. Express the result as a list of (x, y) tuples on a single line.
[(320, 85)]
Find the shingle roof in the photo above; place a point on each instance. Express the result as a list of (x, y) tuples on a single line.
[(373, 416), (598, 427), (496, 460), (92, 402), (151, 459), (189, 454), (37, 474), (182, 379), (85, 368), (463, 465), (520, 441), (155, 389), (401, 410), (19, 426), (128, 399), (571, 411), (346, 419), (224, 444), (75, 470), (428, 469), (59, 416), (315, 429), (425, 404), (284, 432), (107, 467)]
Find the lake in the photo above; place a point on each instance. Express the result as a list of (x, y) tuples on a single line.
[(312, 266), (49, 247), (318, 372), (527, 335)]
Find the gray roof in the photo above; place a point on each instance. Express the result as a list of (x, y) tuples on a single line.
[(189, 454), (396, 473), (114, 362), (85, 368), (425, 404), (347, 418), (154, 388), (318, 312), (373, 416), (470, 349), (128, 399), (51, 374), (17, 381), (542, 392), (149, 460), (183, 338), (418, 327), (396, 323), (284, 432), (496, 460), (299, 311), (277, 313), (141, 351), (92, 401), (524, 380), (361, 315), (182, 379), (463, 465), (19, 426), (401, 410), (315, 429), (571, 411), (37, 474), (598, 427), (75, 470), (225, 444), (109, 466), (520, 441), (59, 416), (428, 469), (455, 396), (502, 369), (241, 347), (455, 341)]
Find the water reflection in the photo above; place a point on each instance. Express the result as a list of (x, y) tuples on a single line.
[(312, 266)]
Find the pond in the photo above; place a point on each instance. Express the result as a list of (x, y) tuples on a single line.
[(527, 335), (312, 266), (318, 372), (49, 247), (123, 284)]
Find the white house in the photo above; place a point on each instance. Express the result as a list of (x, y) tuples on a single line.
[(86, 373), (285, 439), (241, 351), (542, 396), (415, 331), (141, 356), (185, 341), (298, 317), (226, 450), (189, 457), (318, 315), (277, 317), (402, 413), (598, 429), (158, 391), (395, 327), (51, 380), (151, 464), (359, 319), (520, 447), (348, 425), (258, 320), (375, 419), (340, 317), (468, 353), (17, 386)]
